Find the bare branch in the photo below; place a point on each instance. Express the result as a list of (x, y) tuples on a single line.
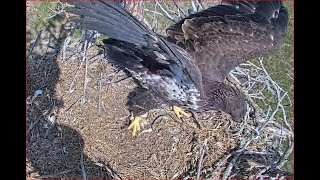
[(84, 174), (166, 14), (155, 12), (230, 166), (193, 6), (34, 44), (179, 9), (202, 150)]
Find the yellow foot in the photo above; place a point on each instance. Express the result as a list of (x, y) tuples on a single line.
[(135, 124), (180, 112)]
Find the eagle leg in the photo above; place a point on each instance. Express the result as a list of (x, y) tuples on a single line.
[(135, 124), (180, 112)]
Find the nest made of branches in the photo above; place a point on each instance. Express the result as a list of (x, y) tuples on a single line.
[(78, 120)]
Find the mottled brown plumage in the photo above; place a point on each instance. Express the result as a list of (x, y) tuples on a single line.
[(187, 68), (222, 37)]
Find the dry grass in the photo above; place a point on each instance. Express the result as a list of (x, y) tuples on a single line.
[(90, 138), (167, 147)]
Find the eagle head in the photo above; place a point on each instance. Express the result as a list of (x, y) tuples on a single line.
[(237, 109), (223, 97)]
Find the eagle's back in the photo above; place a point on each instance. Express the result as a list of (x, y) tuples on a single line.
[(223, 36)]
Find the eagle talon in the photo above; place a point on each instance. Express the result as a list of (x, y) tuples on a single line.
[(135, 124), (180, 112)]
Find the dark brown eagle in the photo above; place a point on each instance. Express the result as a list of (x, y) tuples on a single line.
[(188, 67)]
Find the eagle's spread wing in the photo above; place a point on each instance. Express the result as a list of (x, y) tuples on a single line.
[(157, 64), (188, 67), (221, 37)]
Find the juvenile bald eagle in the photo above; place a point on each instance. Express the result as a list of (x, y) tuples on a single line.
[(187, 68)]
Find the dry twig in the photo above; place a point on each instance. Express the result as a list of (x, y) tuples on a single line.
[(202, 150), (84, 174)]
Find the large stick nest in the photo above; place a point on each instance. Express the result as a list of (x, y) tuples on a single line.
[(78, 120)]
